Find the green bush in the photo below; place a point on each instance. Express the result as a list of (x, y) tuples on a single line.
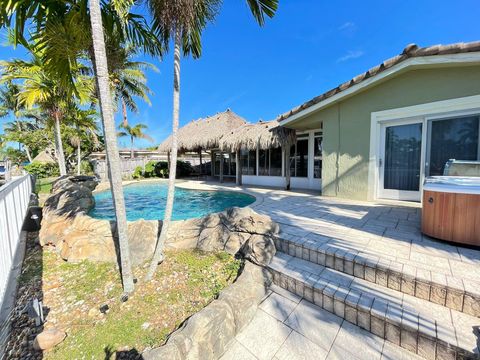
[(138, 173), (184, 168), (149, 169), (161, 169), (86, 167), (43, 170)]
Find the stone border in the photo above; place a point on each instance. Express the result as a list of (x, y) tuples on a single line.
[(206, 334)]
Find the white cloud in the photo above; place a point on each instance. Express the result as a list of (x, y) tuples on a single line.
[(351, 55), (349, 25)]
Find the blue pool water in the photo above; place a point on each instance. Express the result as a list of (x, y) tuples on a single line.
[(147, 201)]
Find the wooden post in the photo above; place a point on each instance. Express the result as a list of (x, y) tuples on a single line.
[(221, 167), (287, 166), (200, 156), (238, 168), (212, 163), (168, 160)]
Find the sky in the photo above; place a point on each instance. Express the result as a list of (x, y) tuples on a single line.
[(309, 47)]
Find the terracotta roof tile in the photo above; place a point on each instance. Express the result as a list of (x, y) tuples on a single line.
[(410, 51)]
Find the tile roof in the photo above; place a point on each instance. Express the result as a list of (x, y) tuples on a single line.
[(410, 51)]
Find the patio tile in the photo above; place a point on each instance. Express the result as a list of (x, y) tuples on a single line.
[(273, 334), (318, 325), (355, 343), (278, 306), (237, 351), (298, 347)]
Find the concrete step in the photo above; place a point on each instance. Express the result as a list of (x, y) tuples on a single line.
[(452, 292), (432, 331)]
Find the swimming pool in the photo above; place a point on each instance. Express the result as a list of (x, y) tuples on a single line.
[(147, 201)]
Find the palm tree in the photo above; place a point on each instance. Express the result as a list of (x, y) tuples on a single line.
[(183, 21), (134, 132), (128, 78), (85, 128), (111, 147), (41, 89)]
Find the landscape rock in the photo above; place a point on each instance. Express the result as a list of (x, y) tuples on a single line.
[(77, 236), (48, 339)]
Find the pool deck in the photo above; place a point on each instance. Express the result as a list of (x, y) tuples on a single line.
[(435, 281)]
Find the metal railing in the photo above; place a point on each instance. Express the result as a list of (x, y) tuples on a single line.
[(14, 201)]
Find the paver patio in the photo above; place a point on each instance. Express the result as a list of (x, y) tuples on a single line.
[(370, 265)]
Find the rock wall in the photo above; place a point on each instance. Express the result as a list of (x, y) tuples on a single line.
[(77, 236)]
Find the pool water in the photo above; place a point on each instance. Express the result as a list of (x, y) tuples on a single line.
[(147, 201)]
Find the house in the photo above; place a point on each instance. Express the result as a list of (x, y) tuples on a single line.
[(387, 129)]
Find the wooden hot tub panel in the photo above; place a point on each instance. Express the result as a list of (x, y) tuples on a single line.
[(451, 216)]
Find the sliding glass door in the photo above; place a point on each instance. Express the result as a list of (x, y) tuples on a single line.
[(400, 162)]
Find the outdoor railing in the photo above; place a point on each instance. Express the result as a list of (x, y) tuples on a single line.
[(14, 200)]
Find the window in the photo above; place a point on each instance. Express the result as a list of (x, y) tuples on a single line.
[(270, 162), (276, 161), (248, 159), (262, 162), (456, 138), (299, 157), (317, 156)]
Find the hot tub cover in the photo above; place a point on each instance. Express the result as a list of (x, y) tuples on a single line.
[(453, 184)]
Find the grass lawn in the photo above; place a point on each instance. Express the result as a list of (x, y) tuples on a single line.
[(43, 186), (73, 293)]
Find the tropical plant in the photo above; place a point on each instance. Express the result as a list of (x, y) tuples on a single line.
[(42, 170), (128, 78), (183, 21), (41, 89), (111, 147), (134, 132)]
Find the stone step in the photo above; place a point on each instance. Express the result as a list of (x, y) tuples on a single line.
[(432, 331), (452, 292)]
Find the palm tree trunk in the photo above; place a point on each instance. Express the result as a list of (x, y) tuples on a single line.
[(111, 146), (59, 146), (131, 147), (79, 159), (124, 112), (27, 150), (158, 255)]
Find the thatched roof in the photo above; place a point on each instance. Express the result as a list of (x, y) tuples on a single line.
[(204, 133), (262, 135), (45, 156)]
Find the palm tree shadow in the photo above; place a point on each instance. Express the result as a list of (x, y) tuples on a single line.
[(131, 354)]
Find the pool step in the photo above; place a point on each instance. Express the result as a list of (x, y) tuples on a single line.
[(454, 293), (432, 331)]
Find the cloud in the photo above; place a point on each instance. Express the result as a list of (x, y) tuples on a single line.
[(349, 25), (352, 54)]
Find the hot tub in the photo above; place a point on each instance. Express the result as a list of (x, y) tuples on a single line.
[(451, 209)]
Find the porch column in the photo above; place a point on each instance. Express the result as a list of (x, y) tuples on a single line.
[(221, 166), (287, 166), (238, 168), (200, 156)]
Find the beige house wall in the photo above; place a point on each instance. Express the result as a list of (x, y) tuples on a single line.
[(346, 124)]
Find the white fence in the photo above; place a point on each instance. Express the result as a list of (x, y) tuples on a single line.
[(14, 200)]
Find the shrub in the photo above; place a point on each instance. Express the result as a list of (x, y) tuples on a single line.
[(137, 173), (161, 169), (184, 168), (86, 167), (43, 170), (149, 169)]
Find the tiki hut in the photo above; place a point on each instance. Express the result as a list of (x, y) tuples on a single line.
[(204, 134), (263, 135)]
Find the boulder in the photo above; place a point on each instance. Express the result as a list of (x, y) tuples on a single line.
[(48, 339)]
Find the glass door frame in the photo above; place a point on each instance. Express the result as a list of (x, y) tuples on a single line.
[(403, 195)]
